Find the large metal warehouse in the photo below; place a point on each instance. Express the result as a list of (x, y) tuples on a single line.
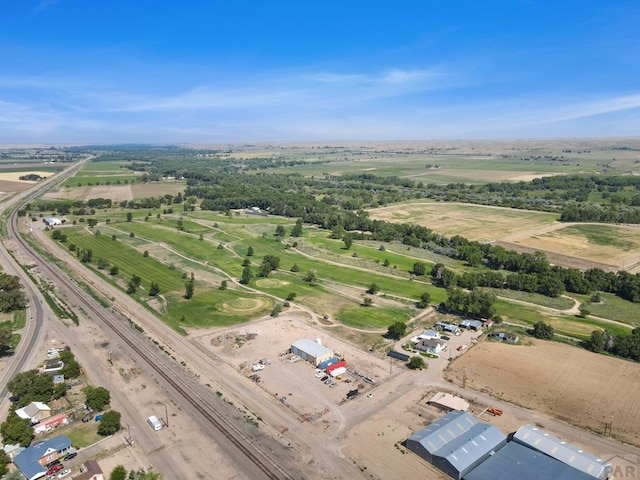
[(562, 451), (311, 351), (523, 463), (456, 443)]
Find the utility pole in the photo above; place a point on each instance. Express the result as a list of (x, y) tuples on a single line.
[(166, 415), (464, 377)]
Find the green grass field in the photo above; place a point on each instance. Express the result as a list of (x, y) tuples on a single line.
[(342, 278)]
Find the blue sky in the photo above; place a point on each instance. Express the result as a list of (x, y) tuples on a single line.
[(78, 71)]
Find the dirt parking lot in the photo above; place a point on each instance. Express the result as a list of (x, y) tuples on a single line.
[(307, 396)]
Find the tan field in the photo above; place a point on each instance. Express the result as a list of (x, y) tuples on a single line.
[(118, 193), (606, 246), (475, 222), (569, 383), (15, 176)]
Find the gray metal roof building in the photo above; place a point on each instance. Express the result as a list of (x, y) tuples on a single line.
[(564, 452), (437, 434), (456, 443), (516, 461), (311, 351)]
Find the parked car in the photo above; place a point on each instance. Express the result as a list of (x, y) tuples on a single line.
[(445, 337), (55, 468), (86, 418), (98, 417), (64, 473), (71, 455), (324, 378)]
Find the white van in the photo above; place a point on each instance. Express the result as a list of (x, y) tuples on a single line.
[(154, 422)]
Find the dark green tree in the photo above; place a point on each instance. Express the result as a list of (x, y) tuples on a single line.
[(247, 275), (425, 299), (296, 231), (129, 216), (280, 231), (348, 241), (416, 363), (397, 330), (419, 268), (30, 386), (154, 289), (250, 251), (17, 430), (118, 473), (190, 287), (96, 397), (373, 289), (109, 424), (11, 295), (367, 302), (4, 462), (543, 330)]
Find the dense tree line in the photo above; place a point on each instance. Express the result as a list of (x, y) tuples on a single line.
[(626, 345), (11, 295)]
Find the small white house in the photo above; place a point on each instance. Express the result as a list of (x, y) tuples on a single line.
[(34, 412), (429, 335), (52, 221), (433, 346)]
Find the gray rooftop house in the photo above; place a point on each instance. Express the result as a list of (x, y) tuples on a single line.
[(517, 461), (562, 451), (456, 443)]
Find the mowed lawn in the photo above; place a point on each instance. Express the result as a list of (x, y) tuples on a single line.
[(475, 222), (208, 307)]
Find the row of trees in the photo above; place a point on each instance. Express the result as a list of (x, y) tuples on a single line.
[(626, 345)]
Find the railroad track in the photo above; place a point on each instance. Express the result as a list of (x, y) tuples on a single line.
[(157, 362)]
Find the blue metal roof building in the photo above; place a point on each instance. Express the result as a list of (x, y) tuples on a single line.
[(456, 443), (32, 460), (562, 451), (516, 461)]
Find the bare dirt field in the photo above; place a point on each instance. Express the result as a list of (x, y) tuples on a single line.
[(475, 222), (157, 189), (10, 182), (572, 240), (485, 176), (584, 246), (569, 383), (7, 186)]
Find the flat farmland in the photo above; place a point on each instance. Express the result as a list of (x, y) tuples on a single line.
[(475, 222), (115, 192), (569, 383), (577, 245), (614, 245)]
